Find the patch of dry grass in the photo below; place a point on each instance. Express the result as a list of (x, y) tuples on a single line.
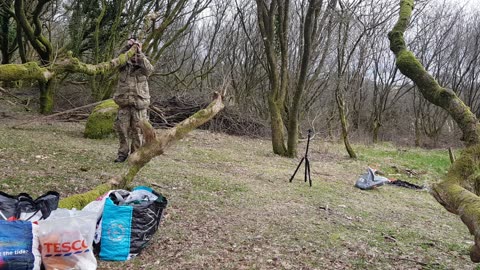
[(231, 206)]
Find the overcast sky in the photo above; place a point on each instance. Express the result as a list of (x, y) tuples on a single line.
[(473, 4)]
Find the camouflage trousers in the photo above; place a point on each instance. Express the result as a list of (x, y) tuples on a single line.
[(129, 133)]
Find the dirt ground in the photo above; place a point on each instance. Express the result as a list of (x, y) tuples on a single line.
[(231, 205)]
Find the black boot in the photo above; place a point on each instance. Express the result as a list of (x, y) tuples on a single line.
[(120, 159)]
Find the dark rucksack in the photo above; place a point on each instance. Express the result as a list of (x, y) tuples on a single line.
[(14, 206)]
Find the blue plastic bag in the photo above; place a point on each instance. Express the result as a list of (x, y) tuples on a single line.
[(19, 246), (129, 221), (116, 231)]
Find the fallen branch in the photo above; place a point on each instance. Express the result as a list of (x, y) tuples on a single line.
[(155, 144), (158, 112), (56, 114)]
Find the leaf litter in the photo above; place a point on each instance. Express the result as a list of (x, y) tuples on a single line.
[(231, 206)]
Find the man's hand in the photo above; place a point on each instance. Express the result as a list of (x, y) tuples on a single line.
[(139, 46), (134, 42)]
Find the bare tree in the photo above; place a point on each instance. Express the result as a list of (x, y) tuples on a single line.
[(246, 62), (283, 59), (309, 26), (273, 23), (346, 47), (388, 87)]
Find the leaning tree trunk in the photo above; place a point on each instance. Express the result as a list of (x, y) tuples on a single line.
[(340, 100), (156, 143), (458, 190)]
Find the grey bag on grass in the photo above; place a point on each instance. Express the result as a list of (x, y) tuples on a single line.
[(370, 181)]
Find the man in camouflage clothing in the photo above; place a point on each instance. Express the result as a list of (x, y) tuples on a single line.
[(133, 97)]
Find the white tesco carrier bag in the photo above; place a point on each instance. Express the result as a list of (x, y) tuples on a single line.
[(66, 240)]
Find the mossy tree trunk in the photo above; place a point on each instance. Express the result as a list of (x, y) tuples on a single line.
[(46, 95), (28, 18), (156, 143), (33, 33), (273, 23), (309, 29), (340, 100), (5, 36), (102, 86), (277, 126), (7, 47), (458, 191), (21, 45)]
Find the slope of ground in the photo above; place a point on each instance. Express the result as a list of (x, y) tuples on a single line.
[(231, 206)]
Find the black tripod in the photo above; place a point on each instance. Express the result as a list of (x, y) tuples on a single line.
[(307, 162)]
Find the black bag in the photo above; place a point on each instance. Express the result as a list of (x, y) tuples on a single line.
[(129, 224), (14, 206)]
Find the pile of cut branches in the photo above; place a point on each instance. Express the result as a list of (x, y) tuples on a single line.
[(166, 113)]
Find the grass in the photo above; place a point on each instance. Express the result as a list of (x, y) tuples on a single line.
[(433, 163), (231, 205)]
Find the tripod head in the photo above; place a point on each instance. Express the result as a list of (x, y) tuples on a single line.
[(310, 133)]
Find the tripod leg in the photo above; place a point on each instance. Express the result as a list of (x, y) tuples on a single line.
[(298, 167), (306, 168), (309, 175)]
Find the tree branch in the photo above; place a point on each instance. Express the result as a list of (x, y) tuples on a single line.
[(464, 174), (32, 71), (156, 143), (411, 67)]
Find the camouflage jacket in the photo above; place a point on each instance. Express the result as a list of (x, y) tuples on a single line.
[(132, 89)]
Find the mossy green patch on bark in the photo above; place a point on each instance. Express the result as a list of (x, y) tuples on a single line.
[(46, 96), (409, 65), (27, 71), (79, 201), (127, 179), (101, 120), (406, 8), (122, 58), (466, 168)]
